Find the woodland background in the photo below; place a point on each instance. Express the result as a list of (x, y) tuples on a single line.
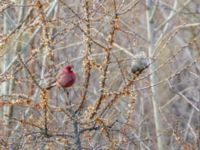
[(108, 107)]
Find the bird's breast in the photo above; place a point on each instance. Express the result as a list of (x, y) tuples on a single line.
[(66, 80)]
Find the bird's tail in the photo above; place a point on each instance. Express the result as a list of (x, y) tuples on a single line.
[(50, 86)]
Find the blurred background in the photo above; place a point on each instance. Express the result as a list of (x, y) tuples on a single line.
[(137, 67)]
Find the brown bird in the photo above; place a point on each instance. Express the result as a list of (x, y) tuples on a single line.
[(139, 65)]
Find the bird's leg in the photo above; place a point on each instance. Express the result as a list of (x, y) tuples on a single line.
[(68, 101)]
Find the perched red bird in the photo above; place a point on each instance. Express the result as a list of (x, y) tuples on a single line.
[(65, 77)]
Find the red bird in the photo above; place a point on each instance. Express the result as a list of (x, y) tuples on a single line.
[(65, 77)]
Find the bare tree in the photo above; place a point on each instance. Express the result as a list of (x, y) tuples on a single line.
[(137, 67)]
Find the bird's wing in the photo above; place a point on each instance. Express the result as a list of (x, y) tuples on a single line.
[(64, 79), (60, 73)]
